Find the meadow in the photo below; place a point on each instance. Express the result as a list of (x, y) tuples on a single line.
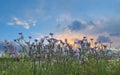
[(50, 56)]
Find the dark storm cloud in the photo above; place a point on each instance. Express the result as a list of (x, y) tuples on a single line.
[(96, 26), (103, 39), (76, 26)]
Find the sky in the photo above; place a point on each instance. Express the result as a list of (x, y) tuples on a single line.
[(72, 19)]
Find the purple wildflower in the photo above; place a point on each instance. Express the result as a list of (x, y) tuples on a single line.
[(30, 37), (20, 33)]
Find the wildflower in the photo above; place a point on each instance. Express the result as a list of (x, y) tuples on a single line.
[(20, 33), (105, 46), (91, 39), (84, 37), (30, 37), (36, 40), (30, 48), (96, 43), (15, 40), (80, 42), (51, 34)]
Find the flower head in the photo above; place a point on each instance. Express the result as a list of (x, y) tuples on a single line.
[(20, 33), (51, 34), (91, 39), (36, 40), (30, 37)]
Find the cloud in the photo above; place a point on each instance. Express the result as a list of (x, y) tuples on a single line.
[(104, 39), (111, 26), (10, 23), (97, 26), (71, 36), (25, 24), (76, 26), (104, 29)]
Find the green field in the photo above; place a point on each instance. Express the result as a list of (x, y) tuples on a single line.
[(57, 58), (60, 67)]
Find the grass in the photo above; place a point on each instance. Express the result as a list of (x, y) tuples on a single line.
[(57, 58), (70, 67)]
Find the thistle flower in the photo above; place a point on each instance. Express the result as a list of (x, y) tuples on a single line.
[(15, 40), (105, 46), (30, 47), (84, 37), (7, 43), (30, 37), (91, 39), (20, 33), (51, 34), (36, 40), (96, 43)]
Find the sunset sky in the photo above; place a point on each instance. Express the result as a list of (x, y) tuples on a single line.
[(72, 19)]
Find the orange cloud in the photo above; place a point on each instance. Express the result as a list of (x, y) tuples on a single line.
[(71, 36)]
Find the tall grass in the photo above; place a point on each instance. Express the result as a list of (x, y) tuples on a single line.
[(57, 58)]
